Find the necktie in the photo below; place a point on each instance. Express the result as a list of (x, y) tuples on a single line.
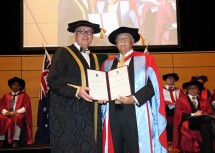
[(12, 102), (194, 102), (122, 61), (171, 94)]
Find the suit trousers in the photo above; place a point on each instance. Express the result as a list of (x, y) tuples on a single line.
[(125, 138)]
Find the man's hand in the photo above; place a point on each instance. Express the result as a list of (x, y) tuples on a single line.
[(126, 100), (83, 93), (7, 114), (12, 114), (102, 101), (197, 113)]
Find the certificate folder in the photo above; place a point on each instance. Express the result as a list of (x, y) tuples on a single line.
[(196, 121), (108, 85)]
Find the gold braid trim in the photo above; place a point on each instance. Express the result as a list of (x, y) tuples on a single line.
[(96, 104), (83, 76), (77, 87)]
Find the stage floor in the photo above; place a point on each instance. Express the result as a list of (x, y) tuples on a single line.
[(34, 148)]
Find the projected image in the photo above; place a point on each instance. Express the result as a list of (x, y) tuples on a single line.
[(156, 20)]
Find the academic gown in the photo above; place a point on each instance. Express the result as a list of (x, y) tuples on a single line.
[(184, 138), (149, 114), (171, 99), (71, 119), (23, 100), (164, 33)]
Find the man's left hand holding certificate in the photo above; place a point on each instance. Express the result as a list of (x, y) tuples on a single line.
[(108, 85)]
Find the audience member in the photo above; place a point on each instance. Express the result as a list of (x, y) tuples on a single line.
[(192, 121), (171, 94), (15, 113)]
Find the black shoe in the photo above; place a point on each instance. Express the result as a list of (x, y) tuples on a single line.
[(15, 144), (1, 144)]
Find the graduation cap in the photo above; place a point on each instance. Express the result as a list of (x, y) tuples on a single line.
[(171, 74), (197, 77), (72, 26), (132, 31), (16, 79), (187, 84)]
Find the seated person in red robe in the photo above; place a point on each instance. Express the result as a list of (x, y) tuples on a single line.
[(192, 127), (15, 111), (171, 94)]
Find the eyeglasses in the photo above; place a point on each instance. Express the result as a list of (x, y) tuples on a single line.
[(83, 32), (193, 88)]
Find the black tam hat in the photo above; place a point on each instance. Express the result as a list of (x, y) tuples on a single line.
[(16, 79), (197, 83), (202, 77), (72, 26), (171, 74), (132, 31)]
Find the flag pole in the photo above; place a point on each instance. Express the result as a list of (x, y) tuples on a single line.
[(46, 52)]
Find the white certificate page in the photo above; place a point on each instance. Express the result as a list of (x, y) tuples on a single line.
[(98, 84), (119, 82)]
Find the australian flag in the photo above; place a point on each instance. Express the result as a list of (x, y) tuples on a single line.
[(42, 133)]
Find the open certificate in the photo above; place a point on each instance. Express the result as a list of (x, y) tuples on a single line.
[(109, 85)]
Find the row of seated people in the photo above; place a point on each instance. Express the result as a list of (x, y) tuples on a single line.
[(15, 115), (15, 110), (188, 129)]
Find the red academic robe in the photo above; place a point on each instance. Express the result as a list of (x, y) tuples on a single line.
[(184, 138), (164, 33), (7, 124), (176, 94)]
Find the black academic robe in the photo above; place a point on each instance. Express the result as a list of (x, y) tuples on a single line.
[(71, 119)]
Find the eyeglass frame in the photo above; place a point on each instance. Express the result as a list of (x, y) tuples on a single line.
[(83, 32)]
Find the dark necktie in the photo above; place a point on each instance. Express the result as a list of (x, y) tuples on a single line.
[(194, 102), (12, 102), (171, 89)]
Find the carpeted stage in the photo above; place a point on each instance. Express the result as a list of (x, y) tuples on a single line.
[(34, 148)]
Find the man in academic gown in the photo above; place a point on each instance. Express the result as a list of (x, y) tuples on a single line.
[(75, 121), (192, 128), (171, 94), (166, 24), (135, 123)]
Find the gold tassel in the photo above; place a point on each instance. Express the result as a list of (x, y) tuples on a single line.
[(102, 33), (142, 38)]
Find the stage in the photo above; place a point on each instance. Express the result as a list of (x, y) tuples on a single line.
[(44, 148), (34, 148)]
